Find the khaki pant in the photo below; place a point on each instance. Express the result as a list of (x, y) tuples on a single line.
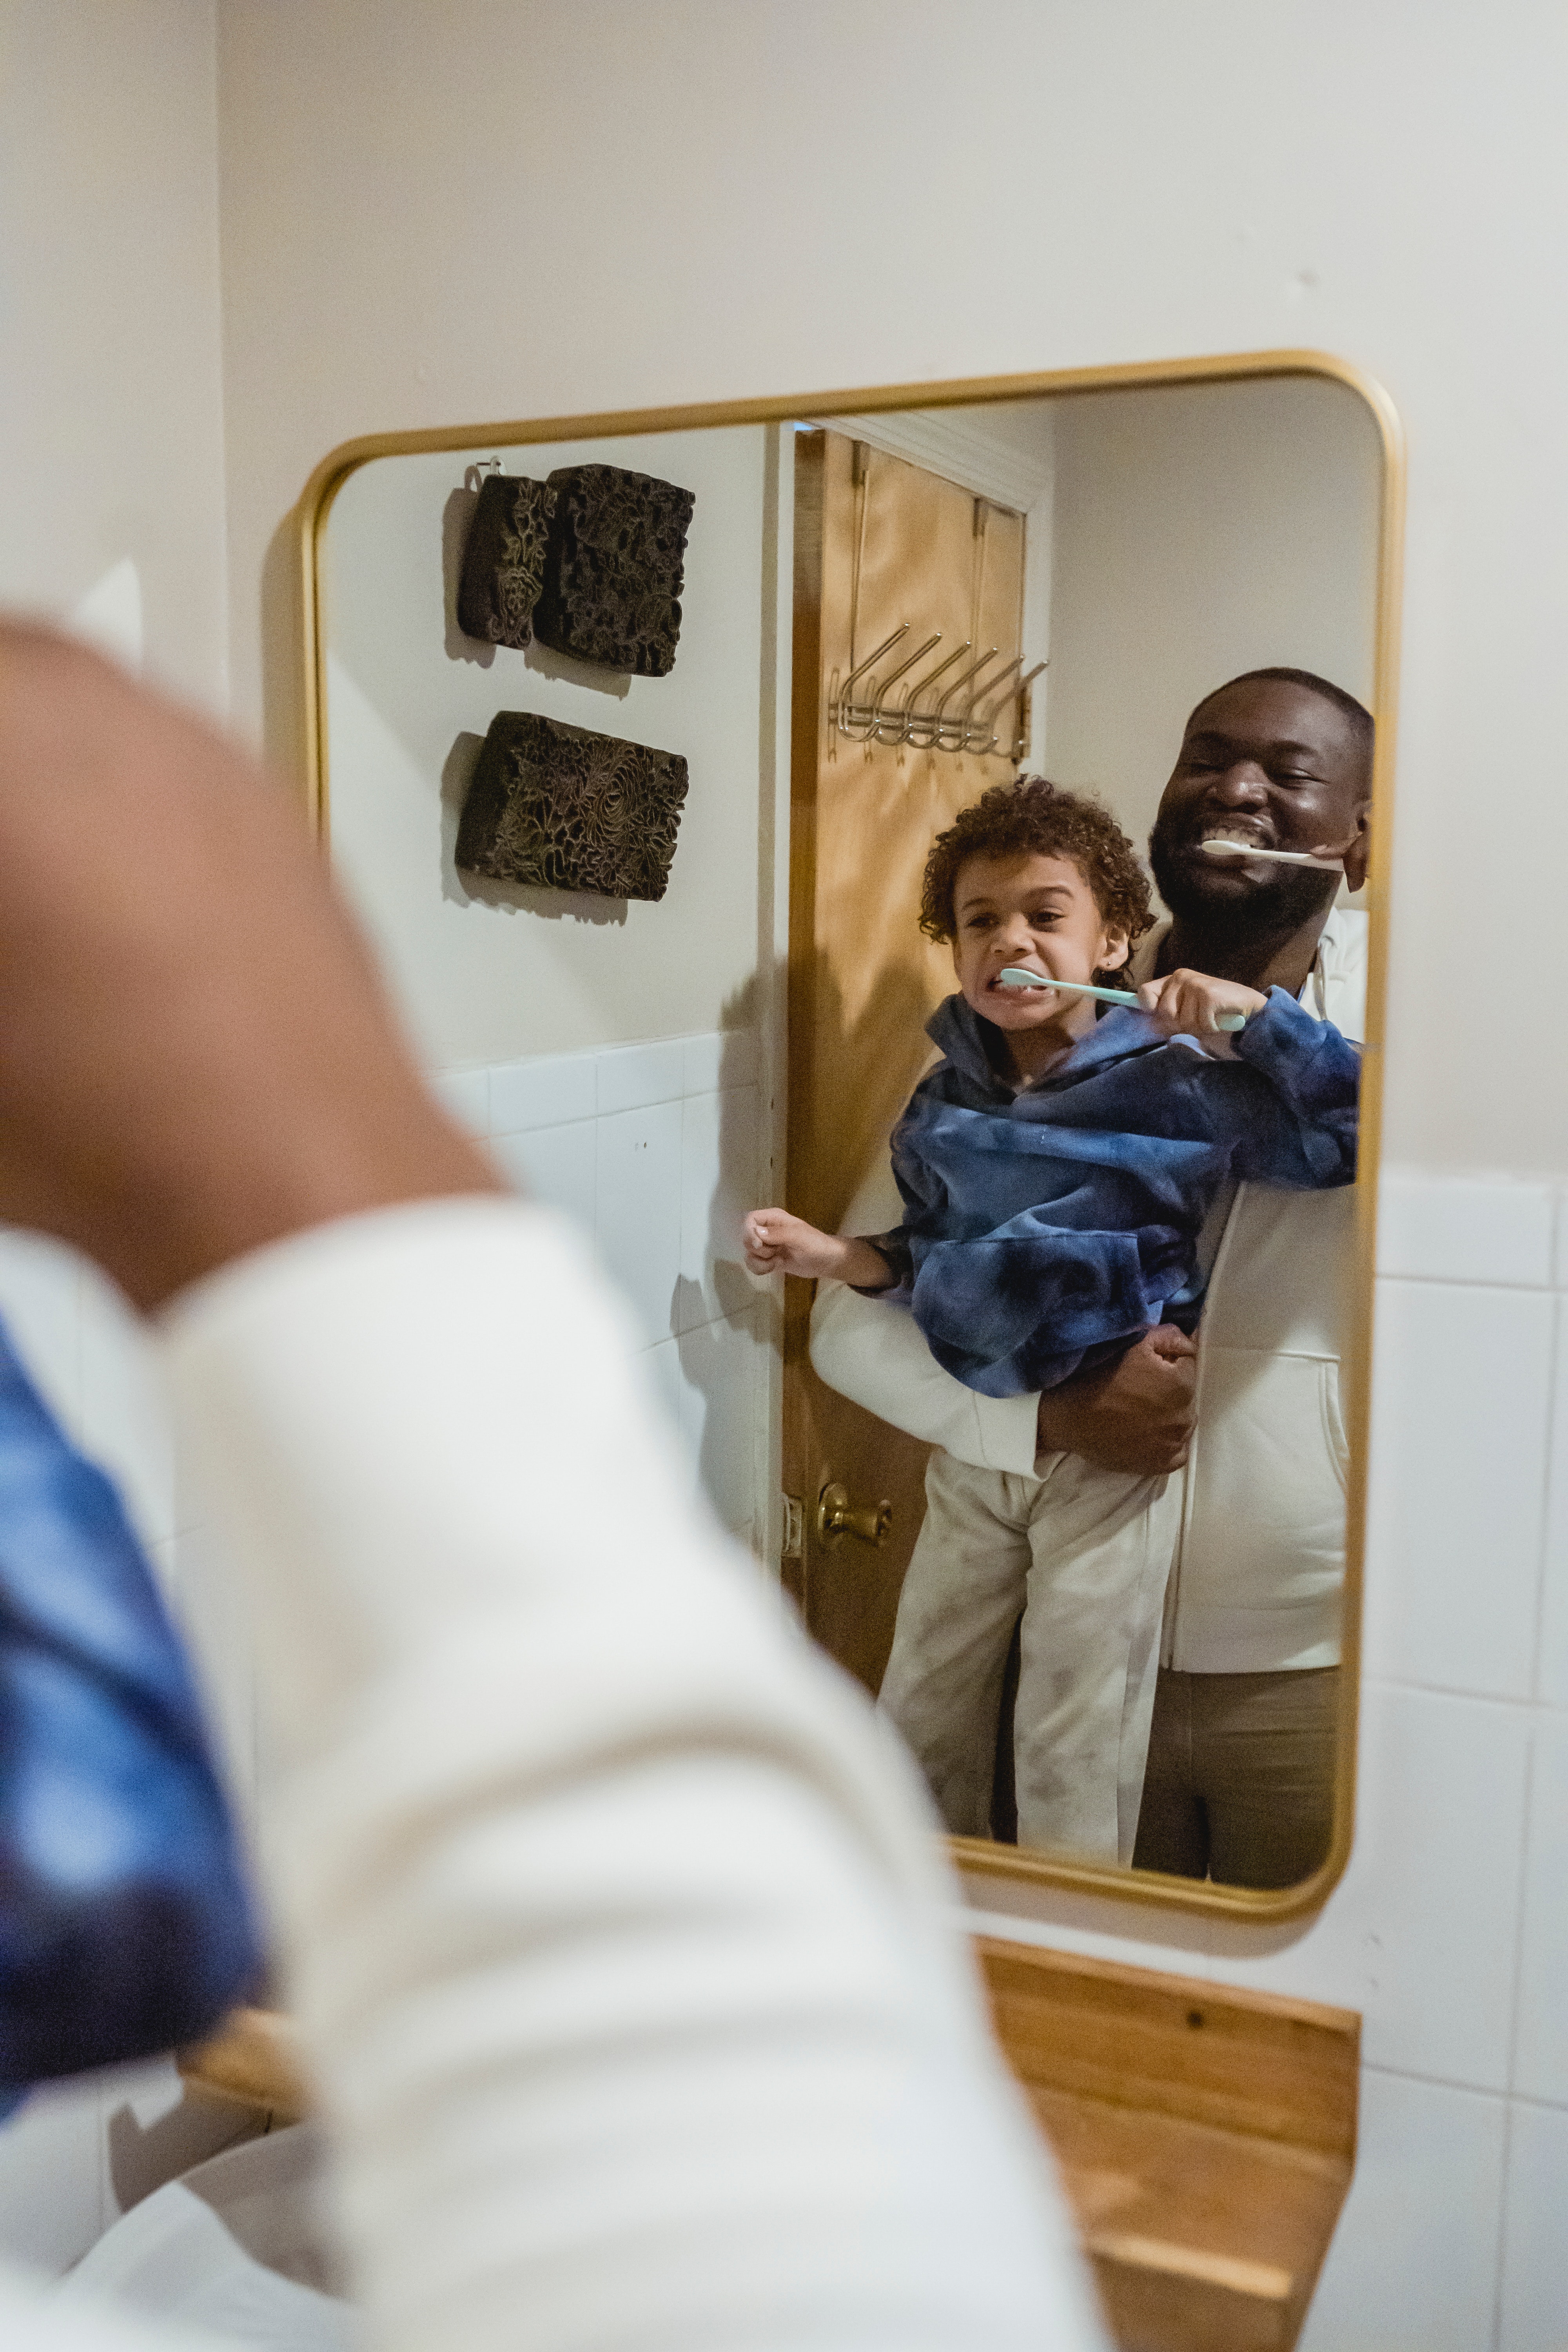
[(1240, 1784), (1082, 1555)]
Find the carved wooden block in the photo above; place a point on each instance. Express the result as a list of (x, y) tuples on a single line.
[(616, 568), (503, 560), (565, 809)]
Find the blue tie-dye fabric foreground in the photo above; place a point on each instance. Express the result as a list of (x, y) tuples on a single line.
[(125, 1923), (1044, 1229)]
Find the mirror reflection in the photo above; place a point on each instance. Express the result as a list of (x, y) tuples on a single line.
[(965, 1088)]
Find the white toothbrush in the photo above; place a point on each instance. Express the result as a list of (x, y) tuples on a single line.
[(1016, 977), (1274, 856)]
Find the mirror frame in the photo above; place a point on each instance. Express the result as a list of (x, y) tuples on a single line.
[(979, 1857)]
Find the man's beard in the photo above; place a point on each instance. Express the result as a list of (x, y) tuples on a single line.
[(1204, 891)]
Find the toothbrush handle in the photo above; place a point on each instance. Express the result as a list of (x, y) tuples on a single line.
[(1231, 1021)]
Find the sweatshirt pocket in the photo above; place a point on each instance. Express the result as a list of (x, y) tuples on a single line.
[(1333, 1420), (1266, 1519)]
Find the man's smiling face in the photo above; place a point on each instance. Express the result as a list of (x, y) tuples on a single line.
[(1270, 761)]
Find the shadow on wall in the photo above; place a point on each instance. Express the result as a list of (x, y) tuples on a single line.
[(858, 1074), (143, 2157), (456, 517), (724, 1320)]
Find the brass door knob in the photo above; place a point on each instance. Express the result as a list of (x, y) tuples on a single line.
[(836, 1515)]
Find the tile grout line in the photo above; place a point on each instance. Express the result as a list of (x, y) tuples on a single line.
[(1516, 1981), (1501, 2236), (1550, 1288), (1522, 1901), (1548, 1482), (1536, 2104), (628, 1110), (1435, 2081), (1453, 1690)]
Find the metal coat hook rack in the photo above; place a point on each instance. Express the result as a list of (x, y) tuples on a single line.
[(943, 724)]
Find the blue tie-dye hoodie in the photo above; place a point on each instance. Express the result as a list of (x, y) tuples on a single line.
[(1046, 1227), (126, 1926)]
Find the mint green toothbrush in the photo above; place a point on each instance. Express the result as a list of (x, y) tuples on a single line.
[(1014, 978)]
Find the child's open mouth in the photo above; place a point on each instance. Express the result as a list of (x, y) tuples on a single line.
[(996, 987)]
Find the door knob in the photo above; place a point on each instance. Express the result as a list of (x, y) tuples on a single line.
[(836, 1515)]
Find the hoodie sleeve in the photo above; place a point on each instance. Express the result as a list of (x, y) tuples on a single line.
[(1301, 1132), (616, 1929), (125, 1923), (925, 1200)]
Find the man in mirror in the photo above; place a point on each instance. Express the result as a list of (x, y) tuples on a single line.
[(1241, 1774)]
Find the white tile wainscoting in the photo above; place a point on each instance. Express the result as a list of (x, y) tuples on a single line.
[(1449, 1932), (654, 1152)]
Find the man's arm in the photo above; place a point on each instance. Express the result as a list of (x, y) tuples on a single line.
[(1313, 1092), (874, 1354), (1134, 1414)]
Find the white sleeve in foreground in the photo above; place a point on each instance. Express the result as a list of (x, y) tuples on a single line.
[(31, 2321), (612, 1919), (874, 1355)]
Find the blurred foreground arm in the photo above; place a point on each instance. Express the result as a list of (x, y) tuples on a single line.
[(613, 1923)]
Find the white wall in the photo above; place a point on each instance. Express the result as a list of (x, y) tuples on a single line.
[(438, 212), (112, 463), (1200, 532), (487, 972), (624, 1060), (111, 394), (655, 1151), (692, 213)]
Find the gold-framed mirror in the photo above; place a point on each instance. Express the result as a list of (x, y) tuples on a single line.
[(869, 580)]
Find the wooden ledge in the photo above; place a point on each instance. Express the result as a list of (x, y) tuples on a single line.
[(1206, 2136), (255, 2059)]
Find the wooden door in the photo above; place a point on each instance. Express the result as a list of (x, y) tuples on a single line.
[(878, 543)]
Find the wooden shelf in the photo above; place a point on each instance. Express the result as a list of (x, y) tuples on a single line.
[(257, 2060), (1205, 2138)]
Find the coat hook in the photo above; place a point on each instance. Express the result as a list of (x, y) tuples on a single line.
[(895, 718), (918, 724), (860, 723), (879, 716)]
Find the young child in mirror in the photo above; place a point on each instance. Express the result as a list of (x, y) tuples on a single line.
[(1057, 1169)]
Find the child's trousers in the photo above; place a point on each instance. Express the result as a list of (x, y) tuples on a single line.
[(1083, 1555)]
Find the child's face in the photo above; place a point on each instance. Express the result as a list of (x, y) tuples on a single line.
[(1037, 913)]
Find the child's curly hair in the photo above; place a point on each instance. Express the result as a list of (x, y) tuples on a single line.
[(1032, 815)]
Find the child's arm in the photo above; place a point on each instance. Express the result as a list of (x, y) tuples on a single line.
[(776, 1243)]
